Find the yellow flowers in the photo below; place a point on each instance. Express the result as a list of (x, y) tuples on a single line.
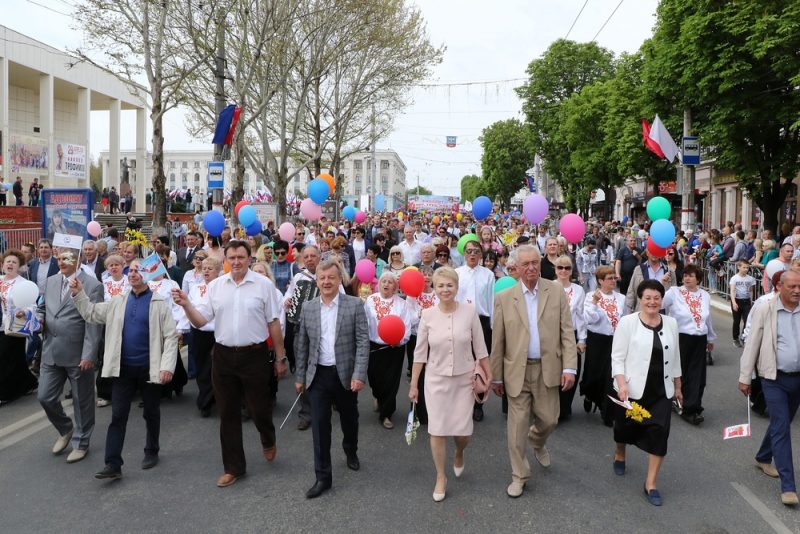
[(135, 237), (637, 413)]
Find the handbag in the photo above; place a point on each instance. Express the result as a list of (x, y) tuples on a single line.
[(480, 384)]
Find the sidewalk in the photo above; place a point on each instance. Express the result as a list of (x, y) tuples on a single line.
[(720, 304)]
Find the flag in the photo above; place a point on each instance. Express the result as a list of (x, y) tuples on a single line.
[(234, 122), (660, 136), (651, 145), (151, 267), (67, 241), (224, 124), (736, 431)]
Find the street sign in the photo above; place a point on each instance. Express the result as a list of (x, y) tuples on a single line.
[(216, 174), (691, 151)]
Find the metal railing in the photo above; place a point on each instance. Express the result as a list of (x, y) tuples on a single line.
[(17, 237), (717, 278)]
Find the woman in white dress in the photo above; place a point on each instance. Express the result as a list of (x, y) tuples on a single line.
[(576, 298)]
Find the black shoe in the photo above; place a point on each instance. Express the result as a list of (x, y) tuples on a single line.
[(149, 461), (318, 489), (587, 405), (302, 424), (205, 412), (477, 413), (352, 462), (709, 359), (108, 473)]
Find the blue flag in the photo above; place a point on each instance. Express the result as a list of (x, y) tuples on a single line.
[(224, 124), (151, 267)]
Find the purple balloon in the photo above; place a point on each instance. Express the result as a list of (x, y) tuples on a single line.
[(535, 208)]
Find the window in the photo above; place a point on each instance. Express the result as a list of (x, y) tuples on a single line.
[(196, 164), (132, 164), (184, 176), (172, 177), (384, 164), (171, 164), (246, 177), (184, 165), (358, 191), (358, 178), (357, 164), (197, 177), (385, 179)]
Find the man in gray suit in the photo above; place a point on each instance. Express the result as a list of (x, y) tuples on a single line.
[(332, 351), (69, 353)]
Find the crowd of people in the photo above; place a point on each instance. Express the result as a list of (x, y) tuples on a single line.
[(630, 331)]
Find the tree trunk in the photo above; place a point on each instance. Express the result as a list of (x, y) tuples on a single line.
[(159, 179)]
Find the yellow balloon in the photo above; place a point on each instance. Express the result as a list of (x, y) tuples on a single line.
[(459, 216), (411, 267)]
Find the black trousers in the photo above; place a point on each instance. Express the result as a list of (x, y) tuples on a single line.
[(384, 372), (123, 389), (422, 408), (203, 345), (325, 391), (693, 368), (740, 315), (566, 397), (486, 326)]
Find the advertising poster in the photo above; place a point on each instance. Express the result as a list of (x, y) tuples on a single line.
[(436, 203), (266, 211), (66, 211), (28, 154), (70, 160)]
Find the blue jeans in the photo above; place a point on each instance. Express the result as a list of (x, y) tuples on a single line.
[(783, 398)]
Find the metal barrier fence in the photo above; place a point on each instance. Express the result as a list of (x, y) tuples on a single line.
[(717, 279), (17, 237)]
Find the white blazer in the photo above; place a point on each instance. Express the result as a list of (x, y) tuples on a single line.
[(631, 349)]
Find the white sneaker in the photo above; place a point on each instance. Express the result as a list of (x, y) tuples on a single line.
[(62, 442), (76, 455), (102, 403)]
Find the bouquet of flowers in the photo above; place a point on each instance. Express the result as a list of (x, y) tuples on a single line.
[(135, 237), (637, 412), (412, 424)]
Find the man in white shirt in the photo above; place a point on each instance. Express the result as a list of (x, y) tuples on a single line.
[(541, 239), (92, 264), (410, 247)]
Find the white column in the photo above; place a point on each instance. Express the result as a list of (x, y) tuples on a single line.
[(747, 208), (46, 126), (144, 181), (114, 177), (716, 197), (730, 204), (5, 169), (84, 131)]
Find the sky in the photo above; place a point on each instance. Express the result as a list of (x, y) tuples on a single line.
[(489, 44)]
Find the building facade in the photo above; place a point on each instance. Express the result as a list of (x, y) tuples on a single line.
[(360, 184)]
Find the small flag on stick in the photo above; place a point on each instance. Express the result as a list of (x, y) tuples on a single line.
[(738, 431)]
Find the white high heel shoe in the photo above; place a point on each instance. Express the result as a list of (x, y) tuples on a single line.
[(439, 497)]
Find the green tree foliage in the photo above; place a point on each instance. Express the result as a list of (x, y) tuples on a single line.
[(421, 190), (472, 186), (735, 66), (506, 155)]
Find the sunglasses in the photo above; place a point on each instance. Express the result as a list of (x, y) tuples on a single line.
[(442, 255), (198, 258), (394, 253), (563, 268), (301, 233), (280, 253), (473, 251)]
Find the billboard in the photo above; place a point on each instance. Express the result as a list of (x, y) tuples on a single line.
[(66, 211), (266, 211), (432, 203), (70, 160), (28, 154)]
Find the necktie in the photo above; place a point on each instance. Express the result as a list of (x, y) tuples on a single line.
[(189, 252), (64, 289)]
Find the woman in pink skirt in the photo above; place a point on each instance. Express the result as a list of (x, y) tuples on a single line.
[(449, 340)]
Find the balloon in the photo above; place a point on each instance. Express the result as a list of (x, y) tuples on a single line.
[(658, 208), (360, 217), (255, 228), (318, 191), (391, 329), (24, 293), (411, 268), (625, 219), (349, 213), (572, 227), (642, 234), (504, 283), (466, 238), (436, 219), (662, 232), (481, 207), (214, 223), (286, 231), (654, 250), (535, 208), (8, 186), (400, 215), (310, 210), (772, 268), (94, 228), (412, 283), (380, 203), (459, 216), (328, 179), (239, 206), (365, 270), (247, 215)]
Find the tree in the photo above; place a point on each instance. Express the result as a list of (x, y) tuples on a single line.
[(421, 190), (735, 66), (473, 186), (506, 156)]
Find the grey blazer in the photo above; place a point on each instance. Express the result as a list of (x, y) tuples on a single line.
[(68, 339), (351, 347)]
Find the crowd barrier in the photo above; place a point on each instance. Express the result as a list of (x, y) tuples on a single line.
[(716, 279), (17, 237)]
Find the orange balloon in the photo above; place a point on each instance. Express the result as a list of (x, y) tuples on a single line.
[(329, 179), (226, 266), (435, 219)]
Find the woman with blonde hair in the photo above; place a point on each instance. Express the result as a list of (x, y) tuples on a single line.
[(396, 265)]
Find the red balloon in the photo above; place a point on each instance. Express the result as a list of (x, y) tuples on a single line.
[(412, 282), (391, 329), (239, 205), (655, 250)]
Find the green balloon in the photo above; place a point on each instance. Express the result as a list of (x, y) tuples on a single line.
[(466, 238), (659, 208), (504, 283)]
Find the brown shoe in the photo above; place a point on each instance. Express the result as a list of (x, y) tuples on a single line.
[(789, 498), (768, 469), (226, 480), (270, 453)]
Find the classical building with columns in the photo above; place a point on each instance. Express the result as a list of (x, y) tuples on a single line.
[(46, 99)]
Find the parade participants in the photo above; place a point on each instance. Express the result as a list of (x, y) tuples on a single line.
[(140, 352), (602, 311), (386, 361), (587, 260), (194, 276), (359, 244), (741, 293), (576, 299), (203, 337), (626, 262), (643, 352), (250, 309), (427, 254), (410, 247), (186, 254), (282, 269), (43, 266), (416, 305), (549, 257), (456, 258), (653, 268), (17, 190), (445, 356), (92, 263), (332, 354), (69, 352), (443, 256), (771, 349), (530, 367), (114, 283), (691, 307)]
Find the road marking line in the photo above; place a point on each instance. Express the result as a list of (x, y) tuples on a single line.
[(23, 434), (22, 423), (765, 513)]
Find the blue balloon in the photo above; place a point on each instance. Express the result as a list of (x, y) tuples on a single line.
[(349, 213), (380, 203), (247, 215), (625, 219), (214, 223), (318, 191), (481, 208), (253, 229), (662, 232)]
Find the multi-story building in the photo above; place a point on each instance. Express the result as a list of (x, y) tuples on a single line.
[(359, 186)]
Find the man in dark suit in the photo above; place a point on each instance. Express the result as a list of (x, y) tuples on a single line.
[(70, 352), (332, 352), (43, 266), (185, 254)]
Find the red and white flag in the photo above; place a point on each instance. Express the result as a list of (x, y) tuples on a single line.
[(658, 140), (736, 431)]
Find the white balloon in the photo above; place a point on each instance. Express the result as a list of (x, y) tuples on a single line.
[(642, 234), (773, 266), (24, 293)]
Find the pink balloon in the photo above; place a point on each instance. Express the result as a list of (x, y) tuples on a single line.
[(535, 208), (360, 217), (572, 227), (94, 228), (309, 210), (286, 231), (365, 270)]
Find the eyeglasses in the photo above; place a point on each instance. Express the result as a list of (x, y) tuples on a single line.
[(301, 233), (198, 258), (472, 251), (563, 268), (393, 253), (280, 253), (442, 255)]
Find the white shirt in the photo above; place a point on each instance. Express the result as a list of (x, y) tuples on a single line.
[(743, 285), (411, 253), (377, 307), (89, 268), (327, 331), (696, 322), (112, 288), (198, 296), (164, 288), (541, 240), (191, 279), (476, 287), (760, 301), (603, 317), (576, 298), (531, 305), (247, 308), (359, 248)]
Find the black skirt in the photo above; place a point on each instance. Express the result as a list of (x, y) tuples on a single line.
[(596, 381), (651, 434)]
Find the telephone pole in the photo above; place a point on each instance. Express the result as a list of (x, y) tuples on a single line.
[(688, 179), (373, 169), (219, 74)]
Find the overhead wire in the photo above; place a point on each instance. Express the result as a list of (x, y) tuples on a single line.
[(606, 22), (48, 8), (576, 19)]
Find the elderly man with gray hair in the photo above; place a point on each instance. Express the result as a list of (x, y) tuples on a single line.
[(411, 248), (427, 253)]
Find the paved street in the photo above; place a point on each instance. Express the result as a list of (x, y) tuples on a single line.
[(708, 485)]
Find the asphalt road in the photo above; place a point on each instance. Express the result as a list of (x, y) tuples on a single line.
[(708, 485)]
